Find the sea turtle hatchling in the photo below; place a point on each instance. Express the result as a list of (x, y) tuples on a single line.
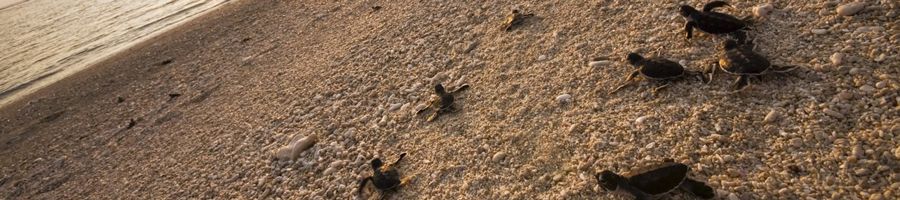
[(441, 101), (384, 177), (713, 22), (515, 19), (654, 68), (655, 181), (741, 60)]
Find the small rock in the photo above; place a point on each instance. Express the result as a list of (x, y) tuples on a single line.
[(850, 8), (542, 57), (833, 113), (499, 156), (855, 71), (861, 171), (819, 31), (564, 98), (763, 10), (394, 107), (642, 119), (772, 116), (293, 150), (880, 58), (867, 88), (599, 63), (897, 152), (732, 196), (837, 59)]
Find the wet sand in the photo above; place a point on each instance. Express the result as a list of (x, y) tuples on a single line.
[(199, 111)]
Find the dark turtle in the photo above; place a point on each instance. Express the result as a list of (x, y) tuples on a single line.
[(741, 60), (442, 101), (384, 177), (713, 22), (658, 69), (515, 19), (655, 182)]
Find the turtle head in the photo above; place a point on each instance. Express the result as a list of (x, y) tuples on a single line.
[(634, 58), (376, 164), (609, 181), (687, 10), (439, 89), (729, 44)]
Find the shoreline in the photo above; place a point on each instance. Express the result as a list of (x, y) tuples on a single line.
[(18, 92)]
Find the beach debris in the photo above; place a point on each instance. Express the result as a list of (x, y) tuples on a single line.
[(642, 119), (441, 101), (376, 8), (499, 156), (742, 61), (837, 59), (165, 62), (564, 99), (655, 181), (763, 10), (120, 99), (294, 148), (515, 19), (818, 31), (654, 68), (599, 63), (850, 8), (773, 116), (542, 58), (713, 22), (385, 178)]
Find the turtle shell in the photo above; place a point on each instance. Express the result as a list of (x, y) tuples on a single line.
[(388, 179), (658, 68), (718, 23), (743, 61), (660, 179)]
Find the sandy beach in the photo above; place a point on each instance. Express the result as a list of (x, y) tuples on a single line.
[(199, 112)]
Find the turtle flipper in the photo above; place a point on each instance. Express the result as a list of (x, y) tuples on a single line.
[(362, 185), (400, 158), (698, 188), (689, 29), (433, 116), (625, 83), (741, 83), (782, 69), (713, 5)]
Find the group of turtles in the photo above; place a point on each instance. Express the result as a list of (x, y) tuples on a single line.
[(738, 58)]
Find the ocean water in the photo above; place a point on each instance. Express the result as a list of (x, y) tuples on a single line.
[(44, 40)]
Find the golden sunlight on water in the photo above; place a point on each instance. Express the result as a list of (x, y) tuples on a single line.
[(48, 39)]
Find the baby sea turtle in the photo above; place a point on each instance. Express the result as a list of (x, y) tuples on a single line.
[(441, 101), (655, 182), (658, 69), (515, 19), (741, 60), (384, 177), (713, 22)]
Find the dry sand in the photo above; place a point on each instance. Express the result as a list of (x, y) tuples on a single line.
[(255, 74)]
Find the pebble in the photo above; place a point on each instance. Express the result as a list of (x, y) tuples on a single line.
[(642, 119), (833, 113), (850, 8), (499, 156), (732, 196), (837, 58), (599, 63), (293, 150), (861, 171), (763, 10), (855, 71), (542, 57), (394, 107), (772, 116), (564, 98), (867, 88), (897, 152), (819, 31), (880, 58)]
